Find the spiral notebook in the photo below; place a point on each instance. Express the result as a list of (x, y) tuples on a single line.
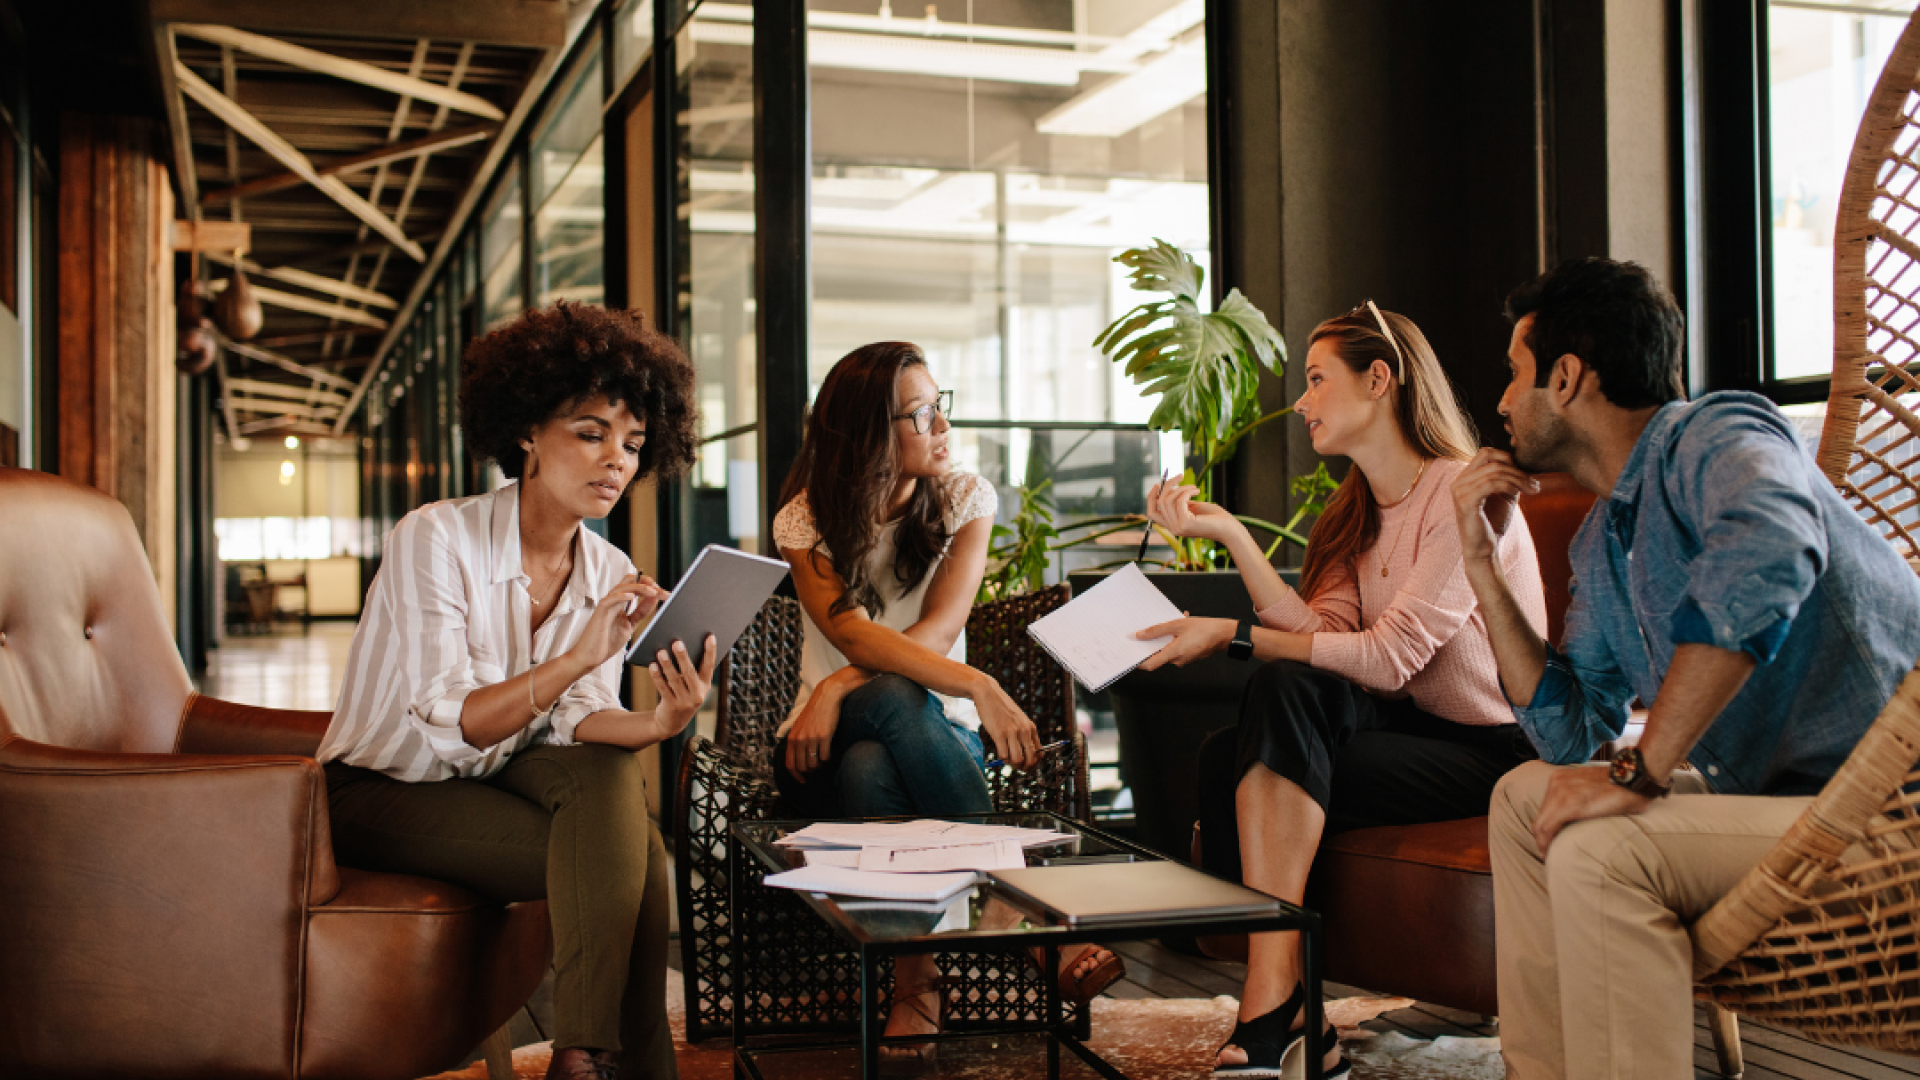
[(1092, 635)]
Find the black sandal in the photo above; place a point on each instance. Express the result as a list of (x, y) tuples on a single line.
[(1275, 1051)]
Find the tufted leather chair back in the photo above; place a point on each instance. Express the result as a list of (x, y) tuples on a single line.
[(86, 658)]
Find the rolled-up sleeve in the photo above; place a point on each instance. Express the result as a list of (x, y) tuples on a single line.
[(427, 602), (1583, 697), (597, 691), (1762, 541)]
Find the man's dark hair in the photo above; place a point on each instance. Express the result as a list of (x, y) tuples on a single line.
[(1612, 315), (528, 371)]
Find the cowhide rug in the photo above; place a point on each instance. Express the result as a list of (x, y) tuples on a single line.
[(1157, 1039)]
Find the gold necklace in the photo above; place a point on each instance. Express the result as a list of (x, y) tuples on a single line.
[(557, 576), (1386, 564)]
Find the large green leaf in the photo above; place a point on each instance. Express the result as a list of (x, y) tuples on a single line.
[(1163, 268)]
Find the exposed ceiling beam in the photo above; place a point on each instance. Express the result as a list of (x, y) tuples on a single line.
[(287, 424), (295, 393), (284, 341), (426, 144), (310, 306), (290, 365), (283, 151), (226, 398), (535, 24), (191, 235), (537, 80), (401, 109), (181, 142), (316, 282), (342, 68), (283, 408), (293, 302)]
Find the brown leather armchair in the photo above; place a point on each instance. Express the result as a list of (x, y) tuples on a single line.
[(169, 904), (1408, 909)]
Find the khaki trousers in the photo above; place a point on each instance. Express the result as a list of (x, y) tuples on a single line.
[(567, 824), (1595, 964)]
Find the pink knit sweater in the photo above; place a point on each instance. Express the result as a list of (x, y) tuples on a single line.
[(1417, 631)]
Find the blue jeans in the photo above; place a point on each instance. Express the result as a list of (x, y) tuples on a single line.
[(894, 753)]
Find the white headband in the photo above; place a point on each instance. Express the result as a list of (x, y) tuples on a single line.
[(1384, 329)]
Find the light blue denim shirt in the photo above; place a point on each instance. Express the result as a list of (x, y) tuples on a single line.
[(1721, 530)]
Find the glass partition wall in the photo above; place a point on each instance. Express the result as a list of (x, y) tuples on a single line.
[(975, 171), (714, 292)]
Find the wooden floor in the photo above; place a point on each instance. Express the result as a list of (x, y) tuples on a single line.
[(291, 669)]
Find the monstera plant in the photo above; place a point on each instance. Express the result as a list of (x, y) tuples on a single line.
[(1205, 368)]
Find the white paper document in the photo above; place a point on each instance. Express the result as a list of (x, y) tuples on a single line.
[(998, 855), (1092, 636), (841, 881), (914, 834)]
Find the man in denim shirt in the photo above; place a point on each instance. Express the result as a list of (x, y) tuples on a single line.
[(1719, 577)]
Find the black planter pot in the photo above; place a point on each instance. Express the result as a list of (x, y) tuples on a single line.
[(1164, 715)]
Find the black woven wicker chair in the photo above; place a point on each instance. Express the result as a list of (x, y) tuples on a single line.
[(805, 979)]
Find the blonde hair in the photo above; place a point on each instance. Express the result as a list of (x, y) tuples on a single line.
[(1429, 414)]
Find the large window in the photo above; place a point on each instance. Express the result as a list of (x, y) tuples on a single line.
[(502, 234), (716, 291), (1821, 69), (569, 193), (975, 171)]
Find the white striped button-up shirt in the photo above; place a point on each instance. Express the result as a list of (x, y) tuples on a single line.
[(448, 614)]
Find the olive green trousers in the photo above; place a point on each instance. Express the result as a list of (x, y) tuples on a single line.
[(565, 824)]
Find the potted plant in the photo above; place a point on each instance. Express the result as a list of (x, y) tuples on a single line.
[(1205, 368)]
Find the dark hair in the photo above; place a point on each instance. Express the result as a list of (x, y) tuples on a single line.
[(847, 468), (532, 369), (1614, 316), (1427, 410)]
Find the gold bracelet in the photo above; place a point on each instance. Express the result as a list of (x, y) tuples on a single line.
[(531, 703)]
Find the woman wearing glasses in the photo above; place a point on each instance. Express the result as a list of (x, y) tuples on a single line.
[(1379, 703), (888, 545)]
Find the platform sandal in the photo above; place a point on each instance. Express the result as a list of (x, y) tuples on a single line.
[(1274, 1051)]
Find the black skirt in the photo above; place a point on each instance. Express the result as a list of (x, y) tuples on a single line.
[(1366, 760)]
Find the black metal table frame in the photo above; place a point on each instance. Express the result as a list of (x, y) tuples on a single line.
[(1058, 1032)]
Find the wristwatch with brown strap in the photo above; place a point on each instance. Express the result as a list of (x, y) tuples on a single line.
[(1629, 770)]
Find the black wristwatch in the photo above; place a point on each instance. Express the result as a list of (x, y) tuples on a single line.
[(1629, 770), (1241, 647)]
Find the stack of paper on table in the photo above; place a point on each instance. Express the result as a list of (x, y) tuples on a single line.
[(1092, 635), (905, 860), (842, 881)]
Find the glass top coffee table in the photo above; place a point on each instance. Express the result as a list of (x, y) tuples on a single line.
[(877, 930)]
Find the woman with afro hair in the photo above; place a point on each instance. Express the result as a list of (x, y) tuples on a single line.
[(479, 736)]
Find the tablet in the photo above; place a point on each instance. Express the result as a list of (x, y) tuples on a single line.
[(720, 594)]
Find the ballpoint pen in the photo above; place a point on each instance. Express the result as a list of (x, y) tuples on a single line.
[(1148, 535), (1047, 749)]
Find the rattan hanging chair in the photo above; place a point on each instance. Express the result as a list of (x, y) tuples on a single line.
[(1820, 937)]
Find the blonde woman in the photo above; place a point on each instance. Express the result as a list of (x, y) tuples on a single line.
[(1378, 701)]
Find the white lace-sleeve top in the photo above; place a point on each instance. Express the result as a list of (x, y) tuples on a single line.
[(969, 498)]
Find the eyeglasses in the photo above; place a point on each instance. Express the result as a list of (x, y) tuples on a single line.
[(1387, 332), (922, 417)]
